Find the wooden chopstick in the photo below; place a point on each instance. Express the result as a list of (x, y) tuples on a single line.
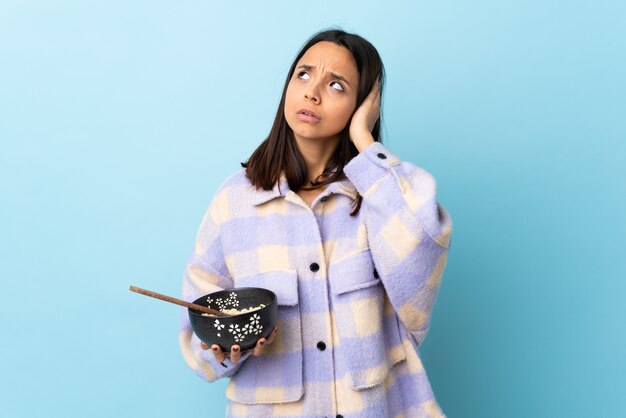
[(177, 301)]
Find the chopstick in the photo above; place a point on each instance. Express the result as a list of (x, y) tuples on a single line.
[(177, 301)]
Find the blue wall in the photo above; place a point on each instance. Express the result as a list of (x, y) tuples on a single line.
[(118, 120)]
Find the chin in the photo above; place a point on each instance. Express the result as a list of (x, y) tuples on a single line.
[(310, 133)]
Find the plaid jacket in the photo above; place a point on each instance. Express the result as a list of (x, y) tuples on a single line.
[(355, 294)]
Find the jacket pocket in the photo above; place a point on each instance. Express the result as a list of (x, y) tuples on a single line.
[(369, 336), (276, 376)]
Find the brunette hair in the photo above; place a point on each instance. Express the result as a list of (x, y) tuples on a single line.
[(278, 152)]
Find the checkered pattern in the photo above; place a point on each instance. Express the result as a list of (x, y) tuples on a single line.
[(369, 301)]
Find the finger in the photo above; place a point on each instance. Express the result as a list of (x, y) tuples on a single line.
[(235, 353), (258, 349), (374, 95), (272, 336), (219, 354), (376, 85), (203, 345), (373, 91)]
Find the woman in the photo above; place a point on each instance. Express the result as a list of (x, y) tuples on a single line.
[(351, 240)]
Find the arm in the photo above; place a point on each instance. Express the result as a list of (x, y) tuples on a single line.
[(408, 232), (204, 273)]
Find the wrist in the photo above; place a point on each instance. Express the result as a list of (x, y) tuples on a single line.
[(362, 139)]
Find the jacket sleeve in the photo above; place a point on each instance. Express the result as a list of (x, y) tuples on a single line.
[(205, 272), (408, 232)]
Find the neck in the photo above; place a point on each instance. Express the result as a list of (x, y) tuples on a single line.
[(316, 153)]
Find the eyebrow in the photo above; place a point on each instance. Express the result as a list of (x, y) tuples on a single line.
[(312, 67)]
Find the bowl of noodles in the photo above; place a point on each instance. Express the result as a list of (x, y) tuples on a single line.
[(251, 312)]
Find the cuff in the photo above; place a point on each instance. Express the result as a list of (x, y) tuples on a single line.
[(227, 366), (371, 164)]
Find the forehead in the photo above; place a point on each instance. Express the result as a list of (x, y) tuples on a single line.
[(331, 57)]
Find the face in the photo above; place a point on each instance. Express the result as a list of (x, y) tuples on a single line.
[(325, 82)]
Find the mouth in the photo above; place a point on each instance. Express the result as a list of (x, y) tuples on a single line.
[(309, 113)]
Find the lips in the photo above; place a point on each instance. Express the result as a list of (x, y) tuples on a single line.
[(309, 112)]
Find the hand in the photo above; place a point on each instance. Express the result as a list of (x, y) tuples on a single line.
[(235, 354), (366, 115)]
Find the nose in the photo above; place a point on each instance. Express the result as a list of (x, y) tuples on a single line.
[(312, 94)]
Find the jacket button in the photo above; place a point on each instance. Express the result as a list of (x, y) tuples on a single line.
[(381, 155), (324, 199), (314, 267), (376, 274), (321, 346)]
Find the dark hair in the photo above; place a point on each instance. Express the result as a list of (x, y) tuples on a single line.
[(279, 152)]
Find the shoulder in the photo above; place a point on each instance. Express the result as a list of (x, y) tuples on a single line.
[(233, 197), (236, 179)]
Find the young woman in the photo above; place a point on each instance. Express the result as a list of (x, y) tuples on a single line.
[(350, 238)]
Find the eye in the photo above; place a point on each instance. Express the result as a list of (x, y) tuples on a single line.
[(338, 83)]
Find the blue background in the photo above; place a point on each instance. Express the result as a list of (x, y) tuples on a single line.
[(118, 120)]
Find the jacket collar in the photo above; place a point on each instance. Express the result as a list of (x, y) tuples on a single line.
[(281, 189)]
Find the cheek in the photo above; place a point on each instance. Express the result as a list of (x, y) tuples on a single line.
[(291, 90), (292, 101), (342, 114)]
